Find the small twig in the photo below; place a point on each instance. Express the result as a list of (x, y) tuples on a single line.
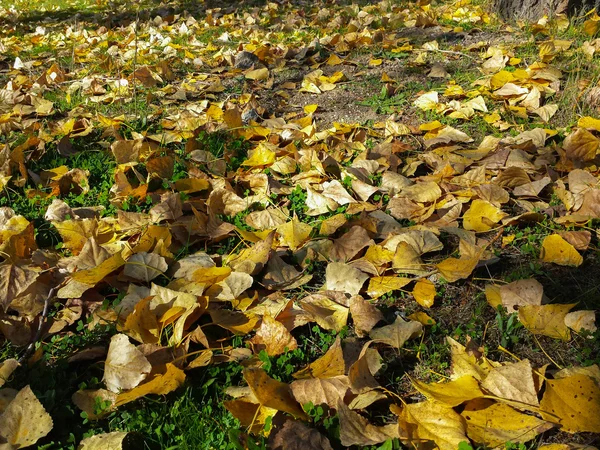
[(31, 347)]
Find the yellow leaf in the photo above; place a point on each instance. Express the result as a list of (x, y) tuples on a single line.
[(452, 393), (482, 216), (310, 109), (424, 293), (258, 74), (160, 384), (294, 233), (379, 286), (397, 333), (261, 156), (590, 123), (422, 318), (453, 269), (576, 402), (548, 320), (437, 422), (558, 251), (494, 424), (125, 365), (273, 337), (375, 62), (104, 441), (97, 274), (427, 101), (329, 365), (581, 145)]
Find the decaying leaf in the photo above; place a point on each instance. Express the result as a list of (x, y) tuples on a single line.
[(125, 365), (24, 421), (575, 400)]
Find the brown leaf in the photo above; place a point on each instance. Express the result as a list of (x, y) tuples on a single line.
[(295, 435), (319, 391), (273, 337), (396, 334), (272, 393), (350, 244), (331, 364), (356, 430), (581, 145), (14, 280), (364, 314)]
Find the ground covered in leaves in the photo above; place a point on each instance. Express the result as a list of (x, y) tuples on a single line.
[(297, 225)]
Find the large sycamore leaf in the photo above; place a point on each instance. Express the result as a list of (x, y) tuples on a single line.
[(14, 280), (331, 364), (274, 337), (437, 422), (558, 251), (125, 365), (575, 401), (356, 430), (327, 391), (493, 424), (161, 384), (145, 266), (548, 320), (272, 393), (452, 393), (396, 334), (513, 382), (25, 420)]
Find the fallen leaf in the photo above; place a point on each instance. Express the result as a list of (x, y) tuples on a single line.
[(125, 365), (575, 400), (396, 334), (558, 251), (424, 293), (548, 320), (24, 421), (493, 424)]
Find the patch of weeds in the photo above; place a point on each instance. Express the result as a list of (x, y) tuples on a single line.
[(297, 201), (508, 327), (226, 246), (432, 353), (382, 103), (529, 269), (224, 146)]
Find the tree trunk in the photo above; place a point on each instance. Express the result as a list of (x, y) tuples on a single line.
[(533, 10)]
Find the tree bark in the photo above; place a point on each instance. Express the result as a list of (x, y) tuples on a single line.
[(533, 10)]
